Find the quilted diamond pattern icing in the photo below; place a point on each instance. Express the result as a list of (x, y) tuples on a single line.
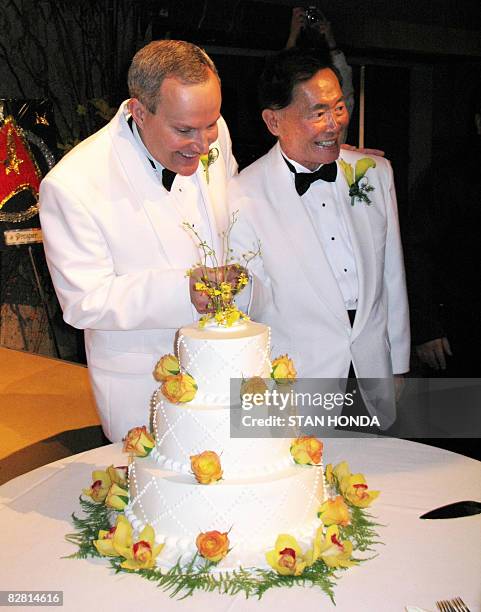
[(263, 493), (181, 432), (255, 511)]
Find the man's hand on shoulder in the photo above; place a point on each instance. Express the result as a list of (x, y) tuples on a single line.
[(364, 151)]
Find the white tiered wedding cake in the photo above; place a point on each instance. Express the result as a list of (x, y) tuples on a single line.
[(262, 493)]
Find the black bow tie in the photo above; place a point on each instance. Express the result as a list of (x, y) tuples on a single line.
[(168, 177), (303, 180)]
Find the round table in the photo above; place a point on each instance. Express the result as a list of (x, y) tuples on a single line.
[(418, 563)]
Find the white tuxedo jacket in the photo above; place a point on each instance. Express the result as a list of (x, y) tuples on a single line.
[(118, 255), (300, 298)]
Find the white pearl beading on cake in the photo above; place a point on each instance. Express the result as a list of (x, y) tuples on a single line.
[(184, 468), (235, 464)]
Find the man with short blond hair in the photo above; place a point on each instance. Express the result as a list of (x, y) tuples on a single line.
[(112, 213)]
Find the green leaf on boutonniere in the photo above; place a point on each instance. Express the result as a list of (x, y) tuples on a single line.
[(358, 184)]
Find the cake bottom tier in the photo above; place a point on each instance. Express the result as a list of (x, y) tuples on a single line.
[(254, 511)]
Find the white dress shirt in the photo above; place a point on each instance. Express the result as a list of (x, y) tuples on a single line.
[(323, 210), (190, 200), (188, 196)]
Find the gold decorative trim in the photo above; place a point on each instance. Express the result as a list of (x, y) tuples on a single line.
[(24, 215)]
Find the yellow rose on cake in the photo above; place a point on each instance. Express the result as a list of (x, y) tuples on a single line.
[(168, 365), (212, 545), (179, 389), (206, 467), (139, 442), (283, 369), (307, 450), (251, 386)]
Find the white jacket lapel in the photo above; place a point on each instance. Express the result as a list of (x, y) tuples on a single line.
[(213, 196), (300, 234), (359, 228), (163, 209)]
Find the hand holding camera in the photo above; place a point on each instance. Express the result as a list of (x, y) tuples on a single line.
[(312, 21), (313, 17)]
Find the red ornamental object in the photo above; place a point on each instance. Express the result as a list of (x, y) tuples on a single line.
[(18, 169)]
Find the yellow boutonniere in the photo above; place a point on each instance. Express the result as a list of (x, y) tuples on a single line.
[(208, 159), (359, 186)]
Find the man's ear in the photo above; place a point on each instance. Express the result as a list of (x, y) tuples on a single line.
[(272, 120), (138, 111)]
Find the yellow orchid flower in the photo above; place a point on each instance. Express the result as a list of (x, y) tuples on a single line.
[(287, 558), (117, 497), (139, 555), (331, 549), (334, 512), (341, 470), (100, 486), (355, 490), (105, 543)]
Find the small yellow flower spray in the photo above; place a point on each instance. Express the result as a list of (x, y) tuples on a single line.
[(219, 289)]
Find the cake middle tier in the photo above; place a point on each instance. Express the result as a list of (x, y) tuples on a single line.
[(185, 430)]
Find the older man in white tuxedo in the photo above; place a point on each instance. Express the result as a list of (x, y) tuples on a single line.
[(330, 282), (112, 212)]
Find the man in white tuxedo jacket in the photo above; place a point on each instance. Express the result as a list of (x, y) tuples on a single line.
[(327, 259), (114, 240)]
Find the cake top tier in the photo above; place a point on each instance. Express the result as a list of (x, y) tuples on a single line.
[(213, 355)]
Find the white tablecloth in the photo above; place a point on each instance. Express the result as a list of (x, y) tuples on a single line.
[(420, 561)]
